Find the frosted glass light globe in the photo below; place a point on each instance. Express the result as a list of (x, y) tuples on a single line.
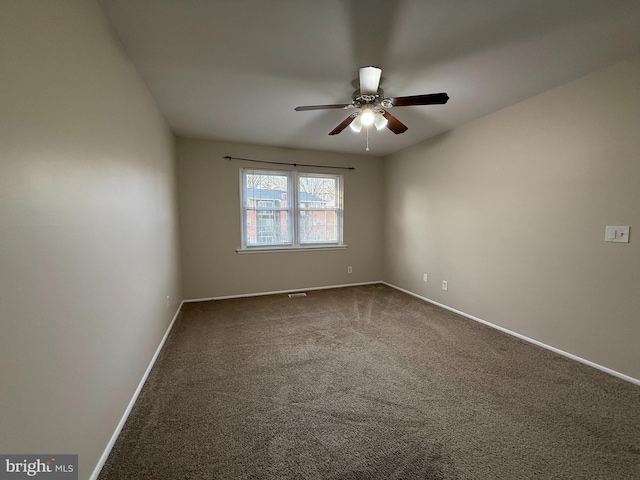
[(367, 117)]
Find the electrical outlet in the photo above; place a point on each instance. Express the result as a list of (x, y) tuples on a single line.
[(349, 269), (424, 277), (445, 285), (168, 301)]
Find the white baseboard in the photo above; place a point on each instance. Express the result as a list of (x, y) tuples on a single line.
[(259, 294), (116, 433), (523, 337)]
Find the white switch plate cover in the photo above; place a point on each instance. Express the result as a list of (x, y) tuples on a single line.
[(618, 234), (445, 285), (425, 277)]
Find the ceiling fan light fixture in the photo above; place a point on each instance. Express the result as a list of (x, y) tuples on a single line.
[(379, 121), (371, 106), (367, 117)]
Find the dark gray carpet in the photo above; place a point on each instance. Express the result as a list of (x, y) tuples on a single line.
[(369, 383)]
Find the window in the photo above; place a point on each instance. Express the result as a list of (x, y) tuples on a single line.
[(290, 210)]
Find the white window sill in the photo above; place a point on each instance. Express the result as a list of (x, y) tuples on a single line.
[(314, 248)]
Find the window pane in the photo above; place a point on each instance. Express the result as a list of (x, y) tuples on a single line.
[(318, 226), (270, 227), (267, 211), (318, 192), (270, 188), (318, 201)]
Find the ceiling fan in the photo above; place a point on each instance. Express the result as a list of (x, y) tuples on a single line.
[(370, 105)]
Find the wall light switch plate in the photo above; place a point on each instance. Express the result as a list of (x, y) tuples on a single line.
[(445, 285), (617, 234)]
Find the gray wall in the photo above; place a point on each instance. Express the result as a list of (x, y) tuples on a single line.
[(511, 210), (210, 223), (88, 229)]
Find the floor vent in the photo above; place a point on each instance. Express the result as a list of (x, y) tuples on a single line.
[(296, 295)]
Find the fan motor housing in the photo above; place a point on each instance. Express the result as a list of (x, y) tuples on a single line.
[(360, 100)]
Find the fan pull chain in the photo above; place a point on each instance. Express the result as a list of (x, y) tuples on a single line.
[(367, 149)]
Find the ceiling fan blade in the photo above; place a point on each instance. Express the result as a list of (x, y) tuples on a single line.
[(345, 123), (369, 80), (321, 107), (428, 99), (393, 124)]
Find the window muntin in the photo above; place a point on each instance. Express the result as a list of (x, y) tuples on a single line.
[(283, 209)]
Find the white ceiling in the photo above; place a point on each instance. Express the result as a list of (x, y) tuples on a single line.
[(235, 69)]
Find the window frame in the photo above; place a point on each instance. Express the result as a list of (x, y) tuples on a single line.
[(294, 210)]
